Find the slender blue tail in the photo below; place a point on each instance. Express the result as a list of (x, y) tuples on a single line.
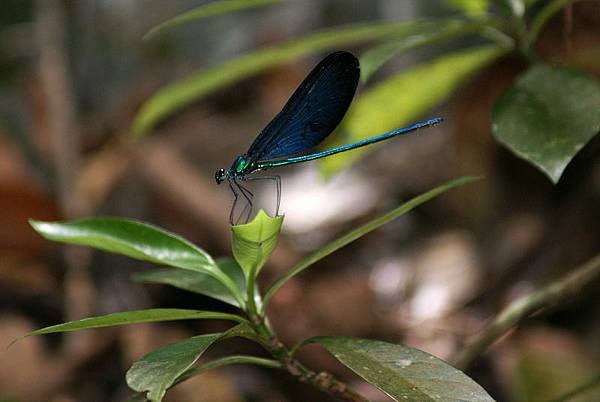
[(343, 148)]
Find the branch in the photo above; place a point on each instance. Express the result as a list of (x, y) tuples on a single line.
[(524, 307), (63, 127), (225, 361), (55, 83), (326, 382)]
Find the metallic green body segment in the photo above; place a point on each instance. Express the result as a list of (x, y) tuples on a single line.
[(241, 166)]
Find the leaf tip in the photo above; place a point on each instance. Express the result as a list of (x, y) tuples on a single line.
[(138, 128), (554, 171), (365, 74), (39, 226), (469, 179), (150, 33)]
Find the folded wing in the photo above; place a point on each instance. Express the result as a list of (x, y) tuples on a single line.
[(313, 112)]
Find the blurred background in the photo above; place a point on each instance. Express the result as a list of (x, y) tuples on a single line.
[(73, 75)]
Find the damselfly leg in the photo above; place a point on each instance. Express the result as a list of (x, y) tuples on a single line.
[(277, 181), (238, 189), (249, 196), (235, 200)]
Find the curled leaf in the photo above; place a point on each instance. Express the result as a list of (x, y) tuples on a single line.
[(254, 242)]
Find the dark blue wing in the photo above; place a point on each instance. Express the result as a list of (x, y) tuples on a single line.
[(313, 112)]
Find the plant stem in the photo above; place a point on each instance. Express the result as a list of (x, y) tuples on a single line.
[(235, 359), (251, 309), (326, 382), (525, 307)]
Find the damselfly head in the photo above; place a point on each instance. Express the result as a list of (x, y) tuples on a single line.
[(220, 176)]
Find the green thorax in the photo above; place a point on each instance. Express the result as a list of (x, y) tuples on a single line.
[(241, 166)]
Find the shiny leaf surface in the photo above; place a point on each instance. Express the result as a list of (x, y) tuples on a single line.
[(134, 239), (198, 282), (404, 373)]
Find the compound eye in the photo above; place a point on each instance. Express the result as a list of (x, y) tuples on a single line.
[(220, 176)]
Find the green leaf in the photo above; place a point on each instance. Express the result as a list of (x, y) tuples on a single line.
[(423, 35), (213, 364), (207, 10), (200, 283), (233, 270), (361, 231), (472, 8), (254, 242), (405, 97), (133, 317), (404, 373), (252, 246), (548, 115), (134, 239), (198, 85), (158, 370)]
